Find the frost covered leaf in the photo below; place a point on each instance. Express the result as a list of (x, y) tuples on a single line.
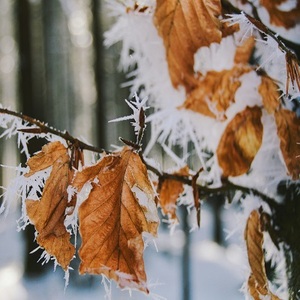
[(50, 153), (48, 214), (244, 51), (240, 142), (254, 242), (185, 26), (258, 282), (288, 130), (269, 91), (119, 208), (282, 18), (293, 71), (169, 192), (215, 92)]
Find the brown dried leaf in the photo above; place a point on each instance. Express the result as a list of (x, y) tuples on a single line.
[(254, 242), (252, 288), (215, 92), (258, 285), (288, 130), (48, 214), (293, 71), (185, 26), (240, 142), (286, 19), (45, 158), (244, 51), (229, 29), (119, 208), (169, 192), (270, 94), (197, 202)]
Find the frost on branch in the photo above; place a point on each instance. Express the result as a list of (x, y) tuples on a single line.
[(138, 107)]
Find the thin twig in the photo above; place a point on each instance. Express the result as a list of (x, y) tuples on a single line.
[(47, 129)]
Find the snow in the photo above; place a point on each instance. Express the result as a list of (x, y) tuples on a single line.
[(216, 272)]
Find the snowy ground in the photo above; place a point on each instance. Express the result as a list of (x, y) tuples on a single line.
[(216, 273)]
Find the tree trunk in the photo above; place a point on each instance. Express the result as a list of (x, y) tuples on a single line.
[(287, 226), (31, 107)]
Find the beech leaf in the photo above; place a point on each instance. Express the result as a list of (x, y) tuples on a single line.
[(215, 92), (244, 51), (258, 285), (282, 18), (270, 94), (48, 213), (119, 208), (45, 158), (185, 26), (169, 192), (240, 142), (288, 130)]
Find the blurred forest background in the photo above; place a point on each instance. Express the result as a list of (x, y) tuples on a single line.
[(53, 67)]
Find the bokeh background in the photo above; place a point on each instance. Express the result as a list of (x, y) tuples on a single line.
[(53, 67)]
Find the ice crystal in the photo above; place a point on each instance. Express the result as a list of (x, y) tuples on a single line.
[(138, 107), (247, 29)]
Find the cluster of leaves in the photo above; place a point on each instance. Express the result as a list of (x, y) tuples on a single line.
[(187, 26), (119, 207), (111, 220)]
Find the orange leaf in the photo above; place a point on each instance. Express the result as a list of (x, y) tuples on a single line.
[(244, 51), (45, 158), (119, 208), (169, 192), (254, 241), (286, 19), (185, 26), (240, 142), (258, 285), (288, 130), (47, 215), (270, 94), (215, 92)]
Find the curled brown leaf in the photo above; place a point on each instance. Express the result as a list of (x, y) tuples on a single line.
[(215, 92), (48, 213), (258, 285), (269, 91), (288, 131), (240, 142), (185, 26)]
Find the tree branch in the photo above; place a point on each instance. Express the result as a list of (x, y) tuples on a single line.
[(43, 128), (202, 189)]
